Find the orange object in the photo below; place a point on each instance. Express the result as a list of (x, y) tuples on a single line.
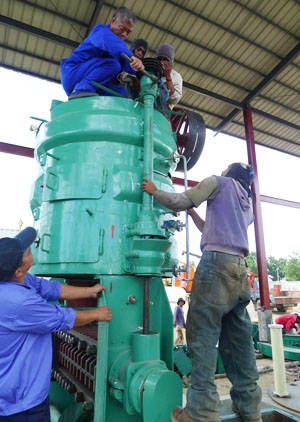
[(277, 290), (181, 279), (251, 279)]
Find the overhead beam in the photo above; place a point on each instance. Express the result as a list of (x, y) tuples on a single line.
[(28, 54), (263, 132), (264, 198), (73, 44), (265, 19), (53, 12), (262, 85), (226, 30), (93, 20), (29, 73), (238, 106), (4, 20), (205, 48)]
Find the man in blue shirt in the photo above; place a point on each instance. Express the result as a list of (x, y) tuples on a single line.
[(26, 323), (98, 58)]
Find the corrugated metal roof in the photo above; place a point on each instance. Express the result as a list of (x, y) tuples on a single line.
[(229, 52)]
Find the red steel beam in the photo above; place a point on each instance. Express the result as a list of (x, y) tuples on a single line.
[(16, 150), (258, 223), (263, 198)]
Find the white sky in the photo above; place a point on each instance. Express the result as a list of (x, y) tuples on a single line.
[(24, 96)]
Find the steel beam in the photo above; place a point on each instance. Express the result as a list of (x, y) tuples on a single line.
[(50, 36), (239, 106), (263, 198), (264, 18), (98, 7), (279, 201), (16, 150), (53, 12), (28, 72), (258, 222), (262, 85), (227, 30)]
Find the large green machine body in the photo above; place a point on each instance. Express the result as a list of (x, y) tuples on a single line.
[(94, 224)]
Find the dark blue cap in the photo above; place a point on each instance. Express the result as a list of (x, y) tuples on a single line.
[(12, 250)]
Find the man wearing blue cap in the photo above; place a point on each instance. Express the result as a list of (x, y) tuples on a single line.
[(26, 323), (220, 294)]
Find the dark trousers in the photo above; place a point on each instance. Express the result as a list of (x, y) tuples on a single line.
[(39, 413)]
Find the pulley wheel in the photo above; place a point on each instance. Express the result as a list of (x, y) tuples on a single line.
[(190, 133), (152, 65)]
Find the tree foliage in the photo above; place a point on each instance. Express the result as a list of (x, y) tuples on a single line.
[(292, 268), (276, 267), (251, 261)]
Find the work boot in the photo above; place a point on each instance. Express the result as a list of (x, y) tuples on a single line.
[(180, 414), (235, 410), (81, 94)]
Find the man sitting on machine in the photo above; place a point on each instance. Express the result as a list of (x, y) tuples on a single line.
[(99, 58)]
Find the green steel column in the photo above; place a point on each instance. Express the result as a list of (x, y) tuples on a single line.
[(101, 367)]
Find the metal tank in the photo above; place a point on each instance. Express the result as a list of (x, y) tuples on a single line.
[(94, 224)]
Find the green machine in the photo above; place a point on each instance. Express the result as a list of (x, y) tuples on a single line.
[(95, 225)]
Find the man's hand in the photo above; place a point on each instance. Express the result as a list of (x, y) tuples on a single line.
[(103, 313), (148, 186), (136, 64), (167, 67), (95, 291)]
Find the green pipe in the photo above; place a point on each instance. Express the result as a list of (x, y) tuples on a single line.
[(101, 367), (148, 147), (108, 90)]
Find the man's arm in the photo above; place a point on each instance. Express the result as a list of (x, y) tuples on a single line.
[(205, 190), (73, 292), (176, 95), (199, 223), (98, 314), (106, 40)]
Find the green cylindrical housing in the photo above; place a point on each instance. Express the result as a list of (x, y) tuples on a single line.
[(145, 347), (87, 199)]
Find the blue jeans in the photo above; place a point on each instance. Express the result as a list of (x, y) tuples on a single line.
[(217, 313), (40, 413)]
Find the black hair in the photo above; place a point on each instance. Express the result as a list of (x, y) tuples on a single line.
[(243, 173)]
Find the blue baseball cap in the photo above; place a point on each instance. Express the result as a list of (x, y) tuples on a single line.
[(12, 250)]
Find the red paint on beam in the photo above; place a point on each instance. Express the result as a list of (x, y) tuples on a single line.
[(258, 223), (179, 181), (16, 150)]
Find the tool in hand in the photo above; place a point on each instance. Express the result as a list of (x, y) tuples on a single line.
[(144, 72)]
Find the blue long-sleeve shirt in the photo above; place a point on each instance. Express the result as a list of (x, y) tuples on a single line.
[(26, 323), (100, 43)]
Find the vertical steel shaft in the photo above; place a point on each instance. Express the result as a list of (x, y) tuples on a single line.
[(146, 316)]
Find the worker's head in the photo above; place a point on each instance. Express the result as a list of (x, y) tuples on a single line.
[(165, 52), (15, 255), (139, 47), (180, 302), (241, 172), (122, 22)]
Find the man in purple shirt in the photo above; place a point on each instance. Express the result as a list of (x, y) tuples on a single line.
[(179, 322), (26, 324), (220, 295)]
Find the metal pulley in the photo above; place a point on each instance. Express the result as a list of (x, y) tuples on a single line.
[(190, 133)]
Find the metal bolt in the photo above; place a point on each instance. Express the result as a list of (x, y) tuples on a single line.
[(131, 299)]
